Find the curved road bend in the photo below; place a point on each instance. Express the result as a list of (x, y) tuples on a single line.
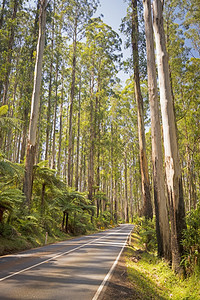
[(69, 270)]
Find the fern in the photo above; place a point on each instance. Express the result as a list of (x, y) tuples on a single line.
[(3, 110)]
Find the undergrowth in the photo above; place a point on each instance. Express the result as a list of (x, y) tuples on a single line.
[(152, 277)]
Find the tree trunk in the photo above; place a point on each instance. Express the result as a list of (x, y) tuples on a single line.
[(9, 51), (126, 188), (66, 222), (30, 154), (53, 157), (147, 206), (92, 137), (61, 126), (116, 203), (172, 165), (49, 94), (63, 221), (28, 89), (160, 200), (42, 199), (72, 92), (78, 139)]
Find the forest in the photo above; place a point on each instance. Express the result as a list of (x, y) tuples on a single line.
[(79, 149)]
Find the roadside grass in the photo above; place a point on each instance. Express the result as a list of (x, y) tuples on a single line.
[(18, 243), (152, 278)]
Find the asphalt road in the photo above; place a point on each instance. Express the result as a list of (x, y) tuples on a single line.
[(72, 270)]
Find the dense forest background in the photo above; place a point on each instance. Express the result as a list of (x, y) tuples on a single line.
[(86, 172)]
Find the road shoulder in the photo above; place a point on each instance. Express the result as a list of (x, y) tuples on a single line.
[(118, 285)]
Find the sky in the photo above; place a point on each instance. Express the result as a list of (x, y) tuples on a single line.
[(113, 12)]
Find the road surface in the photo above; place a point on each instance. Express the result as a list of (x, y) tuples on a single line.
[(71, 270)]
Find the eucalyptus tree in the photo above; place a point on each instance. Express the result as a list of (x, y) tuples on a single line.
[(77, 15), (30, 154), (130, 26), (14, 6), (183, 66), (162, 221), (102, 53), (172, 164)]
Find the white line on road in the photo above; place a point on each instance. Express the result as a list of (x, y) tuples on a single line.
[(96, 296), (54, 257)]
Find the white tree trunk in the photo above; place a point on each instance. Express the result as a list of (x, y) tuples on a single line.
[(162, 220), (147, 206), (35, 104), (172, 165)]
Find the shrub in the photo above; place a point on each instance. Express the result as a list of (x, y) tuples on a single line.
[(147, 230), (191, 241)]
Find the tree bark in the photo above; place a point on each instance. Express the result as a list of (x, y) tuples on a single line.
[(50, 93), (92, 137), (160, 200), (42, 199), (30, 154), (78, 139), (61, 126), (9, 51), (72, 92), (147, 206), (172, 165), (126, 207), (53, 157)]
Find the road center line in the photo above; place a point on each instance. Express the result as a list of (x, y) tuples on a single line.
[(56, 256)]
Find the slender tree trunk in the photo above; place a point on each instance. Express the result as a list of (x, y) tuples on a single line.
[(30, 154), (63, 221), (42, 199), (78, 139), (116, 202), (72, 92), (28, 90), (126, 188), (172, 165), (160, 200), (61, 126), (92, 138), (66, 222), (147, 206), (9, 51), (53, 158), (50, 93)]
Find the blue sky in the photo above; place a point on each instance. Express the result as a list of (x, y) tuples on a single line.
[(114, 11)]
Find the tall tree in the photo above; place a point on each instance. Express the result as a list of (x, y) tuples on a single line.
[(172, 164), (79, 14), (14, 7), (35, 104), (147, 207), (160, 200)]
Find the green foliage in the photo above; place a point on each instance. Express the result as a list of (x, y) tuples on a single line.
[(153, 278), (29, 225), (191, 241), (147, 231), (104, 220), (3, 110)]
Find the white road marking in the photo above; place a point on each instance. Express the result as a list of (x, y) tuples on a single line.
[(96, 296), (54, 257)]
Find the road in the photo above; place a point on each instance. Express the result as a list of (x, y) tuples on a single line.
[(72, 270)]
